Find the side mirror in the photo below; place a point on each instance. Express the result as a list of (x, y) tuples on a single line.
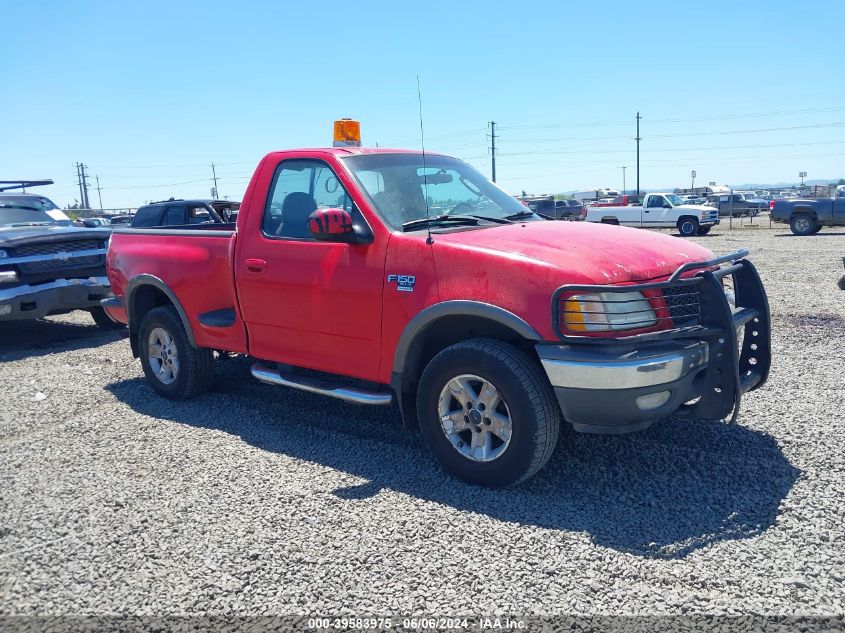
[(331, 225), (667, 206)]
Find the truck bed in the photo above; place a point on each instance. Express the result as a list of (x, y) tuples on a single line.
[(188, 260)]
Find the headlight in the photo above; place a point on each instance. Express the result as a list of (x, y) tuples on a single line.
[(605, 312), (3, 254)]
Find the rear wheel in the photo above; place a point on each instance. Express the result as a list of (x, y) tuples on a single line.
[(174, 368), (487, 413), (803, 224), (103, 320), (688, 226)]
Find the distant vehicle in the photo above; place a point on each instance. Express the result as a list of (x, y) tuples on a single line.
[(807, 217), (594, 195), (570, 209), (659, 210), (736, 205), (47, 265), (544, 205), (120, 219), (175, 212), (93, 223), (621, 201)]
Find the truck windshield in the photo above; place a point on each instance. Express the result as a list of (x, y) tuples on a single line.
[(398, 186), (675, 200), (17, 215)]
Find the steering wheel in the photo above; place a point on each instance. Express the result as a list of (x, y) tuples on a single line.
[(467, 207)]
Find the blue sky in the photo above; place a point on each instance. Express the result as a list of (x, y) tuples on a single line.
[(149, 94)]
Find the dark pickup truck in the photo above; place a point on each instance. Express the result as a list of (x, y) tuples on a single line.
[(48, 266), (807, 217), (180, 212)]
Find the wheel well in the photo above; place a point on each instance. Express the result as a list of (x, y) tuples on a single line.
[(803, 211), (609, 220), (144, 299)]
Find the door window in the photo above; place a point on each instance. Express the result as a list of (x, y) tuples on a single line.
[(174, 215), (299, 188), (656, 202)]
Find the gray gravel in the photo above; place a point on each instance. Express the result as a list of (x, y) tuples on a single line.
[(258, 500)]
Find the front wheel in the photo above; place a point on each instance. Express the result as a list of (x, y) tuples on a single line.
[(688, 227), (802, 225), (704, 230), (173, 367), (487, 413)]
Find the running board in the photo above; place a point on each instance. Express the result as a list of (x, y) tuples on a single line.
[(323, 387)]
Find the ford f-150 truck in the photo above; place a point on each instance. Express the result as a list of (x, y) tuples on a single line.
[(485, 323), (47, 265), (807, 217), (659, 210)]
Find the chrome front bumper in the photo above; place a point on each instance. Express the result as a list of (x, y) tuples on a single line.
[(62, 295), (617, 390)]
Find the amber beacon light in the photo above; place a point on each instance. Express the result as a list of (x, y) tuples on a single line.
[(347, 133)]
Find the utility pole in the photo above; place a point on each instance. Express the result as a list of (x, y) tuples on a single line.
[(638, 152), (623, 180), (83, 185), (79, 182), (99, 195), (493, 147), (214, 176)]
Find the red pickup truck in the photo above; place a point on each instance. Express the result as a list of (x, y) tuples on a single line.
[(380, 276), (621, 201)]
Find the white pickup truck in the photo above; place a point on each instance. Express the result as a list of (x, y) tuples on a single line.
[(659, 210)]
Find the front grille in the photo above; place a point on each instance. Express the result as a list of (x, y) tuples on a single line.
[(684, 304), (52, 248)]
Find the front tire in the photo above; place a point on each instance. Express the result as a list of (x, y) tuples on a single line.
[(174, 368), (704, 230), (688, 227), (488, 413), (103, 320), (802, 224)]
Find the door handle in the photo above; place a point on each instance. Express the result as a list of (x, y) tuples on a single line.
[(256, 265)]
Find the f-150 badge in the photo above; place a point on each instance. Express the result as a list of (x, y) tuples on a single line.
[(404, 283)]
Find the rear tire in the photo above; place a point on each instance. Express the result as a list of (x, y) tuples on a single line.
[(688, 226), (103, 320), (474, 379), (802, 224), (174, 368)]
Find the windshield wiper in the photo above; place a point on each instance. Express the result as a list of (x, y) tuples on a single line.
[(438, 219), (30, 224), (492, 219), (520, 215)]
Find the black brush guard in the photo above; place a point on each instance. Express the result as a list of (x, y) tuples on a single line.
[(730, 371)]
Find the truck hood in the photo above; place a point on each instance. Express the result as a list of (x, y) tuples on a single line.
[(22, 235), (698, 208), (588, 252)]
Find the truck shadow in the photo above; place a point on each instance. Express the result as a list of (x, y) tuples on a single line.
[(663, 493), (29, 339)]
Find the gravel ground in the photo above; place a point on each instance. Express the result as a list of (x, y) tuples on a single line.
[(258, 500)]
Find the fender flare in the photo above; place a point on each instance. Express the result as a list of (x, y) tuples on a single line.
[(151, 280), (432, 313)]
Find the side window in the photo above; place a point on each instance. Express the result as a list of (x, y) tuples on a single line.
[(299, 188), (655, 202), (174, 215), (198, 215), (146, 217)]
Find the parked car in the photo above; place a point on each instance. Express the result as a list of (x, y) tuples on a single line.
[(93, 223), (736, 205), (570, 209), (808, 217), (175, 212), (485, 323), (659, 210), (620, 201), (47, 265)]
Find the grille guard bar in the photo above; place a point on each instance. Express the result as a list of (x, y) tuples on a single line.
[(733, 368)]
